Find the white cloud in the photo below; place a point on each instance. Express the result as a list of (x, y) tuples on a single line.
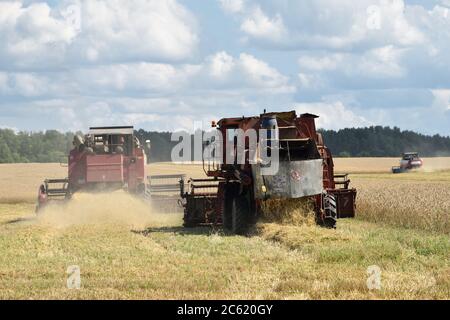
[(232, 6), (137, 29), (261, 75), (29, 85), (260, 26), (35, 84), (135, 77), (378, 63), (157, 96), (310, 81), (382, 62), (333, 115), (81, 113), (39, 36), (244, 73), (441, 100), (23, 84), (324, 24), (221, 64), (320, 62), (220, 71), (31, 34)]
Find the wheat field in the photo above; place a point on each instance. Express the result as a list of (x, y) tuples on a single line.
[(384, 165), (126, 250)]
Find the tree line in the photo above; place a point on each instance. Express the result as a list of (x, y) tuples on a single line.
[(377, 141)]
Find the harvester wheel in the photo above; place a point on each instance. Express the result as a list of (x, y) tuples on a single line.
[(329, 214), (226, 203), (239, 215)]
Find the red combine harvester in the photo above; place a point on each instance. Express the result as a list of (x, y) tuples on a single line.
[(106, 159), (409, 161), (233, 193)]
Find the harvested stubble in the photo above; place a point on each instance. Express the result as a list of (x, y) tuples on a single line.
[(165, 261), (288, 211)]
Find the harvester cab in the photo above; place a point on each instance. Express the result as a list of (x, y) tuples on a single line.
[(235, 190), (107, 158)]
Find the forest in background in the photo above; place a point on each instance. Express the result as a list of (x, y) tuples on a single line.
[(377, 141)]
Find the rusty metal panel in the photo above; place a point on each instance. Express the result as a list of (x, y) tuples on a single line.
[(200, 209), (345, 199), (295, 179)]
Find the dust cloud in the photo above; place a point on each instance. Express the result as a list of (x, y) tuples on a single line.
[(117, 208), (435, 164)]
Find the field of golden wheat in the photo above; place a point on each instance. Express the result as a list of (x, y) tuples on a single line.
[(410, 204), (384, 165), (417, 199), (125, 249)]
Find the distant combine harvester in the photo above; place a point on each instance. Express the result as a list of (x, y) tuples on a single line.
[(409, 161), (108, 159)]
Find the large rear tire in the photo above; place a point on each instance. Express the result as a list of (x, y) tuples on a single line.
[(227, 203), (226, 214), (326, 216), (240, 215)]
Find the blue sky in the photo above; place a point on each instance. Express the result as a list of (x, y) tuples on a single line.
[(167, 64)]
